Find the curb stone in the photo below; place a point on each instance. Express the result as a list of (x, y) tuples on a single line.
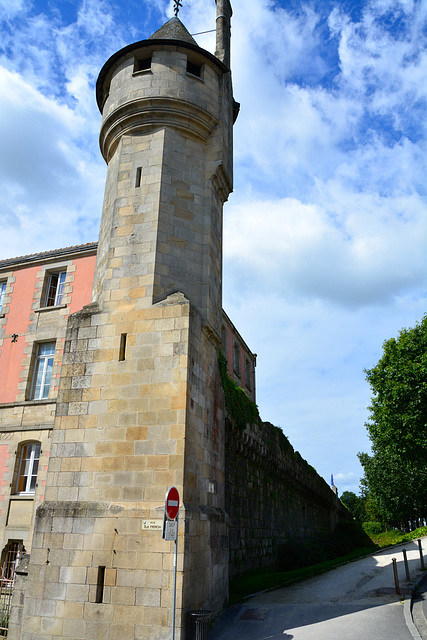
[(408, 607)]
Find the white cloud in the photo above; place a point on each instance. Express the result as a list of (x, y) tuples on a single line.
[(347, 482), (46, 179), (376, 62), (10, 8), (94, 17), (350, 248)]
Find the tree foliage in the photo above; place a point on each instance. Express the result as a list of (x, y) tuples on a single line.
[(355, 504), (396, 472)]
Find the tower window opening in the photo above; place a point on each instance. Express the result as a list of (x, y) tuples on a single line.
[(194, 69), (138, 177), (100, 585), (142, 65), (122, 348)]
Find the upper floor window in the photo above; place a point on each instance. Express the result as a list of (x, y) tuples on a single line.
[(248, 373), (28, 467), (224, 341), (2, 294), (55, 289), (144, 64), (236, 359), (43, 370)]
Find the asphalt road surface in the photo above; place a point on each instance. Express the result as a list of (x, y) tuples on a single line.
[(356, 601)]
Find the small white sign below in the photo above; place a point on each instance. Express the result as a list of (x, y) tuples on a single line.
[(171, 530), (152, 525)]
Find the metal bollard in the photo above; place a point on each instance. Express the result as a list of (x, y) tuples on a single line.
[(396, 577), (405, 560), (421, 554), (198, 624)]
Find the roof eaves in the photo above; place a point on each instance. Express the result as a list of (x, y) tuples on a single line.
[(87, 248)]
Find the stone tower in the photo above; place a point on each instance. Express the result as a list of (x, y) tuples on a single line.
[(140, 405)]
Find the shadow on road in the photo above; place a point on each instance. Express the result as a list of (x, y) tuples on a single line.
[(286, 622), (353, 602)]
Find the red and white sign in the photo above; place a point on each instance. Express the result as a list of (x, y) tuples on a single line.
[(172, 503)]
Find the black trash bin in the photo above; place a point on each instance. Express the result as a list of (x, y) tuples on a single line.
[(198, 624)]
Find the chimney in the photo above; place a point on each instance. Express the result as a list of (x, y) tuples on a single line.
[(223, 28)]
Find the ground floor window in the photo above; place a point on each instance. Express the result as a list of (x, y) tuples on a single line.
[(28, 468)]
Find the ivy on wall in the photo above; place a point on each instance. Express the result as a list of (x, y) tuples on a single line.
[(241, 409)]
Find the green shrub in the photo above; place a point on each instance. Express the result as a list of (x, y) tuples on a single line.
[(418, 533), (373, 528), (384, 536)]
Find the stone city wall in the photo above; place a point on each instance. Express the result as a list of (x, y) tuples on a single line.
[(272, 494)]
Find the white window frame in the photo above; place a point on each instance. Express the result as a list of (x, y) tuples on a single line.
[(43, 366), (30, 462), (3, 285), (59, 288)]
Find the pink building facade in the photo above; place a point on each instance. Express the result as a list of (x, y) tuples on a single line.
[(37, 294)]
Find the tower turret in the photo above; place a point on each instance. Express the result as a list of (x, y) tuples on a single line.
[(140, 405), (166, 135)]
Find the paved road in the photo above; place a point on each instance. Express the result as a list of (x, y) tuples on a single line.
[(354, 602)]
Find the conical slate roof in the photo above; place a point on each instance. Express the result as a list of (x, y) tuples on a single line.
[(173, 29)]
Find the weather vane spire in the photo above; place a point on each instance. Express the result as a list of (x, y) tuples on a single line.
[(177, 5)]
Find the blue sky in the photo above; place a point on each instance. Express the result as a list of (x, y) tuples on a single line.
[(325, 235)]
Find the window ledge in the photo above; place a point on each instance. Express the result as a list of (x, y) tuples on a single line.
[(142, 72), (23, 496), (53, 308), (192, 75), (26, 403)]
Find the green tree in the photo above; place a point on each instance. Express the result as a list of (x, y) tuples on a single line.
[(350, 500), (355, 504), (396, 472)]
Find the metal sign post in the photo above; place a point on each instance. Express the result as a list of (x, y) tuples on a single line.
[(175, 558), (170, 532)]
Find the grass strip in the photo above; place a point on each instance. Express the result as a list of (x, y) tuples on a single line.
[(394, 536), (260, 580)]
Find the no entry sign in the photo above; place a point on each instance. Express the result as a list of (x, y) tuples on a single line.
[(172, 503)]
